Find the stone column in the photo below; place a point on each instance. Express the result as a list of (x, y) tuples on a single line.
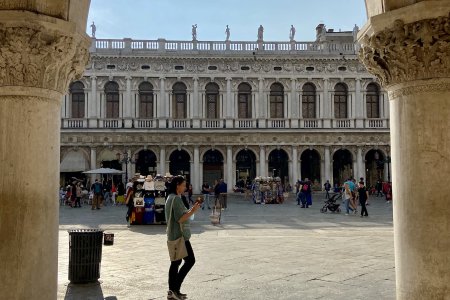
[(359, 104), (326, 105), (294, 177), (328, 165), (229, 104), (408, 49), (195, 104), (93, 163), (294, 104), (359, 164), (196, 176), (40, 55), (262, 161), (128, 103), (162, 105), (162, 160), (262, 114), (92, 111), (229, 178)]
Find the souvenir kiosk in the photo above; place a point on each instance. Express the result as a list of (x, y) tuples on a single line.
[(149, 202), (267, 190)]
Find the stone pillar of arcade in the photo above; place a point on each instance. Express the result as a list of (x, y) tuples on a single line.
[(407, 46), (43, 46)]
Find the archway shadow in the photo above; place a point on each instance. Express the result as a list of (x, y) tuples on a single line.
[(91, 291)]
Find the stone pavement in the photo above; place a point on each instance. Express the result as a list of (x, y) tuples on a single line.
[(258, 252)]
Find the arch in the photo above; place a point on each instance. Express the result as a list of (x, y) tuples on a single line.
[(245, 165), (112, 99), (146, 98), (179, 100), (279, 164), (374, 166), (180, 163), (78, 100), (342, 166), (146, 162), (212, 100), (244, 101), (340, 101), (74, 161), (310, 165), (277, 100), (309, 101), (372, 101), (212, 166)]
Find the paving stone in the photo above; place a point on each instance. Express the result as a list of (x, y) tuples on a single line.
[(258, 252)]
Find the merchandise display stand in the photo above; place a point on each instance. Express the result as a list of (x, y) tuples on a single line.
[(149, 203), (267, 190)]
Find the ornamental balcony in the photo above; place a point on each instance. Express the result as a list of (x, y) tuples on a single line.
[(93, 123)]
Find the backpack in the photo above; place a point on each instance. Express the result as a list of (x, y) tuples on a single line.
[(97, 188), (305, 187)]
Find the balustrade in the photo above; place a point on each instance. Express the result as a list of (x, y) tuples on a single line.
[(218, 46)]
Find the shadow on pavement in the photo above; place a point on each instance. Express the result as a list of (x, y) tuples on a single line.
[(91, 291)]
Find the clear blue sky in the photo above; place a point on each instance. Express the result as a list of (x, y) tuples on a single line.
[(173, 19)]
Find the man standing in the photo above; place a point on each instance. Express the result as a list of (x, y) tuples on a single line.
[(327, 187), (97, 189), (223, 194), (206, 189), (363, 195)]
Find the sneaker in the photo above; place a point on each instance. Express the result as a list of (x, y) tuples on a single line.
[(346, 214), (173, 296), (355, 211), (181, 295)]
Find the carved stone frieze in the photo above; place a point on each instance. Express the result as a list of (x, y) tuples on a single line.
[(32, 55), (407, 52)]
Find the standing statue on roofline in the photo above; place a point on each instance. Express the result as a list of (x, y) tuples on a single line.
[(260, 33), (227, 32), (292, 33), (194, 32), (93, 29)]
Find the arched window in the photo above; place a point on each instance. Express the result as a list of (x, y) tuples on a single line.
[(309, 101), (373, 101), (244, 101), (212, 101), (146, 100), (276, 100), (77, 94), (179, 100), (112, 99), (340, 101)]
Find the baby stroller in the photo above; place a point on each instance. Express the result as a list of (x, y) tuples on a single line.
[(331, 204)]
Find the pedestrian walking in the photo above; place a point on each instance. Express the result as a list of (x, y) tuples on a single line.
[(347, 197), (79, 194), (223, 194), (178, 225), (363, 195), (379, 187), (307, 188)]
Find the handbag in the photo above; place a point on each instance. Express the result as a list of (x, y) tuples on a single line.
[(177, 248)]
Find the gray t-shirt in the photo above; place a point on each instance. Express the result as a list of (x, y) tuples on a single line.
[(173, 227)]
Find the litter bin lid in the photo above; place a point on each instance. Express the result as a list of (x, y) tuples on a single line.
[(84, 231)]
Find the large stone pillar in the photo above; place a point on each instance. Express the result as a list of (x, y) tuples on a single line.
[(92, 104), (229, 179), (262, 161), (43, 46), (162, 116), (408, 48), (128, 104), (196, 180)]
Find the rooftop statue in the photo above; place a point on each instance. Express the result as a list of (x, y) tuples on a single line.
[(227, 32), (93, 29), (194, 32), (292, 33), (260, 33)]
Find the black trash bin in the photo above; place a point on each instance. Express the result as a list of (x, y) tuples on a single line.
[(85, 255)]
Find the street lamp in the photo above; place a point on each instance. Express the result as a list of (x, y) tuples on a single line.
[(126, 159), (388, 161)]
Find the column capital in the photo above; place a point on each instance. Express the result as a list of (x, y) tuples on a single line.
[(93, 77), (162, 78), (40, 54), (128, 77), (228, 78), (195, 78), (261, 79), (405, 52)]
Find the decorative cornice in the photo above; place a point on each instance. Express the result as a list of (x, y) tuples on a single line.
[(425, 86), (35, 56), (408, 52)]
